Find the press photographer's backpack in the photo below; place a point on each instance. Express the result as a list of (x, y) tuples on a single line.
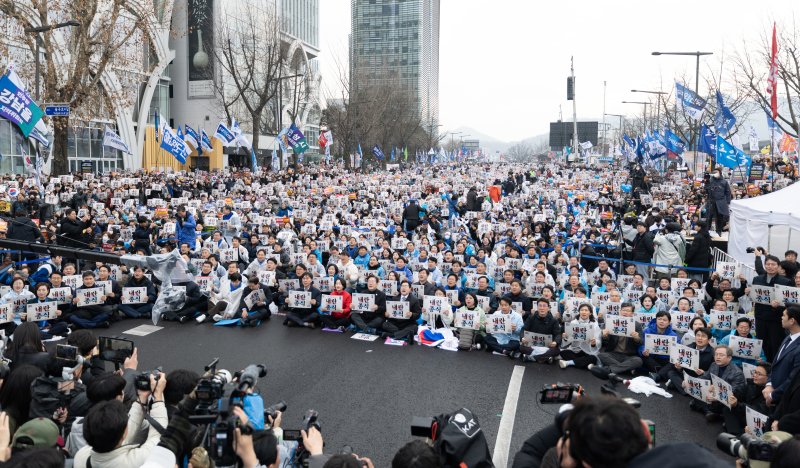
[(460, 441), (466, 337)]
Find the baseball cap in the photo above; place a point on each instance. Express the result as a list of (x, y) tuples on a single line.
[(39, 432)]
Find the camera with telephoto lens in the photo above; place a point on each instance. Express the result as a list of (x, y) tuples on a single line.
[(310, 419), (272, 411), (561, 393), (142, 380), (747, 447), (217, 393)]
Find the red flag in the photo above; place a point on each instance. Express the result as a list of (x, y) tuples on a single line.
[(772, 80), (322, 140)]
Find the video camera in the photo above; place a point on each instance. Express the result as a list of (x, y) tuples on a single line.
[(561, 393), (217, 393), (747, 447)]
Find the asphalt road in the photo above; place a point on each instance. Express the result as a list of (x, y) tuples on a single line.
[(367, 392)]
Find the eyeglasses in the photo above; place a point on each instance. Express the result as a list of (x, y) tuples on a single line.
[(763, 374)]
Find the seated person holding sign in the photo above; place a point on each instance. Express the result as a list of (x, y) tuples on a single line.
[(722, 367), (372, 320), (503, 337), (750, 396), (52, 325), (18, 297), (405, 327), (138, 309), (90, 312), (542, 323), (254, 305), (619, 353), (468, 336), (339, 319), (304, 315), (672, 374), (742, 330), (581, 340), (660, 325)]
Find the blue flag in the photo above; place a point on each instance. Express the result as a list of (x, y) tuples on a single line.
[(360, 155), (205, 141), (392, 155), (724, 120), (708, 140), (253, 159), (376, 150), (673, 142), (729, 155), (687, 99), (193, 138), (17, 106), (175, 145), (628, 141), (224, 134)]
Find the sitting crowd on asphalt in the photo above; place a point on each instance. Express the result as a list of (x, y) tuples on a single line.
[(535, 268)]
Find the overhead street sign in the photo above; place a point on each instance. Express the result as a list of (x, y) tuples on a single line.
[(57, 110)]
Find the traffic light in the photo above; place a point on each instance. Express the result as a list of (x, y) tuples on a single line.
[(570, 88)]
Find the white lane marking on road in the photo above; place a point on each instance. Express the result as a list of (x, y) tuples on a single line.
[(503, 442)]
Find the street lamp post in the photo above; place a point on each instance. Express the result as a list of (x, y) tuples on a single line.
[(644, 119), (658, 103), (619, 130), (696, 136)]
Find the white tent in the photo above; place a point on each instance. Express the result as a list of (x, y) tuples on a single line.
[(771, 221)]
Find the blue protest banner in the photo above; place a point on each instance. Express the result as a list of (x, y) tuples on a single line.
[(687, 99), (175, 145), (296, 139), (17, 106), (729, 155)]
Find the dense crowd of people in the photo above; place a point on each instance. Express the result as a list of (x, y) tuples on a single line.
[(551, 265)]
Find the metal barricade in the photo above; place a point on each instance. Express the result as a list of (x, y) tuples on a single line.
[(748, 271)]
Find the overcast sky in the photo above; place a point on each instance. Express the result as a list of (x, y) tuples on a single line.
[(503, 63)]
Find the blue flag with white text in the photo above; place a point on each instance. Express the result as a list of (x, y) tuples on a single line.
[(688, 100), (175, 145), (729, 155), (708, 140), (673, 142), (724, 120), (376, 150)]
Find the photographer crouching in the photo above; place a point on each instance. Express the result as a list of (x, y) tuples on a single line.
[(606, 433)]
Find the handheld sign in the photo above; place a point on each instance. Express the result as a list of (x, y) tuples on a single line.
[(42, 311), (727, 270), (106, 285), (205, 283), (722, 390), (685, 356), (498, 324), (620, 326), (398, 309), (73, 281), (6, 313), (434, 305), (681, 321), (761, 294), (466, 319), (787, 295), (697, 388), (362, 302), (89, 296), (745, 348), (286, 285), (61, 295), (577, 332), (747, 370), (537, 340), (330, 303), (659, 344), (299, 299), (757, 422), (323, 283), (389, 287), (255, 297), (722, 320), (134, 295)]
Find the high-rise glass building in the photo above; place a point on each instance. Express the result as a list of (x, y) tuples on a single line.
[(396, 42)]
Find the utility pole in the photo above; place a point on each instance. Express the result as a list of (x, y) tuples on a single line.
[(575, 143), (603, 148)]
